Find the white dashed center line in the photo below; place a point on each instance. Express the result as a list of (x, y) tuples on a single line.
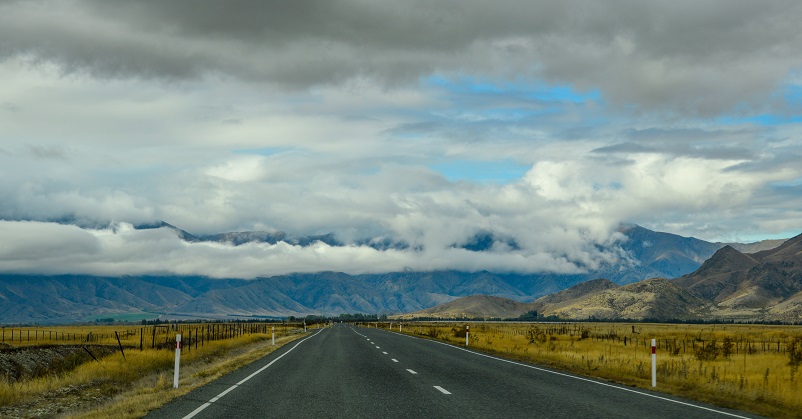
[(411, 372), (378, 347), (384, 352), (394, 360), (442, 390)]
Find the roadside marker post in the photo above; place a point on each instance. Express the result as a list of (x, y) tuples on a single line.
[(304, 326), (467, 333), (177, 359), (399, 327), (274, 335), (654, 362)]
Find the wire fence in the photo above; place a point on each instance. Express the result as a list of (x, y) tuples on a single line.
[(159, 336)]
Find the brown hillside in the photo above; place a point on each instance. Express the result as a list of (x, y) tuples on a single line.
[(761, 286), (791, 250), (552, 301), (756, 246), (720, 276), (656, 298), (483, 306)]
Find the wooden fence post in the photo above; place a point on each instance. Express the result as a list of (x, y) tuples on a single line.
[(120, 344)]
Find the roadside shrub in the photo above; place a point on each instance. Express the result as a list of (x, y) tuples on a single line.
[(795, 352), (726, 348), (708, 351), (536, 335), (432, 332)]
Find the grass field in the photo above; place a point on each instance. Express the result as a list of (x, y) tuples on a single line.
[(130, 386), (749, 367)]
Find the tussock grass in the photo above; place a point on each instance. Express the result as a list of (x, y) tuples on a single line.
[(155, 389), (746, 367), (131, 386)]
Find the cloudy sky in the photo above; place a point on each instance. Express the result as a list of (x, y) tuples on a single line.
[(543, 123)]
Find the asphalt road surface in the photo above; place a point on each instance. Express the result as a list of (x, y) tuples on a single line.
[(348, 372)]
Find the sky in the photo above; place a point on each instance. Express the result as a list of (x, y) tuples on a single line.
[(547, 124)]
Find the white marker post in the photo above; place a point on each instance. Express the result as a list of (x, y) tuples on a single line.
[(399, 327), (467, 333), (177, 359), (654, 362), (304, 325), (274, 335)]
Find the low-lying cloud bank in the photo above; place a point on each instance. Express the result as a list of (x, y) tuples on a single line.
[(120, 249)]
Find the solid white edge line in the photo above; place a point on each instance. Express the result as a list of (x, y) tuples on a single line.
[(219, 396), (442, 390), (579, 378), (216, 398)]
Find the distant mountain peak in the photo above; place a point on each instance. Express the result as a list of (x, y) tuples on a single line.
[(728, 258), (238, 238), (182, 234), (790, 249), (751, 285)]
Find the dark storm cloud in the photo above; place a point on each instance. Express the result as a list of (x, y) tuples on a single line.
[(688, 57)]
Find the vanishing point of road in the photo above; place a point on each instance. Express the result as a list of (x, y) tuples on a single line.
[(349, 372)]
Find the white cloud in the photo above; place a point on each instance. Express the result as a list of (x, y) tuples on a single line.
[(28, 243), (48, 248), (311, 119)]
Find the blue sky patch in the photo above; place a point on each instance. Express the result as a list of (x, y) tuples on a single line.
[(266, 151), (790, 94), (535, 90), (766, 120), (503, 171)]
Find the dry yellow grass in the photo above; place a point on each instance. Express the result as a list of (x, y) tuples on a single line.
[(131, 386), (755, 372), (155, 389)]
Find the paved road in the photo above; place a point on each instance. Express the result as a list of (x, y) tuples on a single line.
[(346, 372)]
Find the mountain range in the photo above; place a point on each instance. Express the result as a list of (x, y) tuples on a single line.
[(68, 298), (730, 285)]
